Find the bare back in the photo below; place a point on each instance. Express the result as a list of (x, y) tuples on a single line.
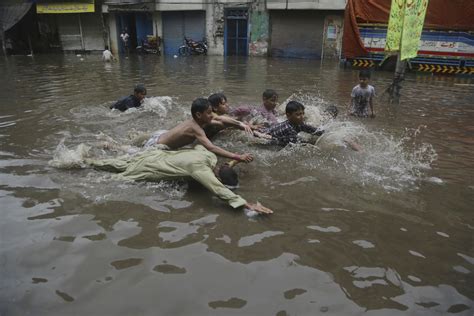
[(181, 135)]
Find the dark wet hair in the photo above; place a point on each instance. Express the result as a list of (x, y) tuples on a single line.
[(228, 176), (200, 105), (139, 88), (293, 106), (216, 99), (106, 47), (269, 93), (364, 74), (332, 110)]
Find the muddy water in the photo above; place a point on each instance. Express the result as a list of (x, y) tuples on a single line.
[(385, 231)]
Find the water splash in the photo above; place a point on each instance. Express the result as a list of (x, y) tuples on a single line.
[(394, 163), (66, 158)]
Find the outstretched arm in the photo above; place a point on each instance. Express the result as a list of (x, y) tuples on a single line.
[(202, 138), (233, 122)]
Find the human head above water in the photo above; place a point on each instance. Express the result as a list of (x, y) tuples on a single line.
[(295, 112), (218, 102), (139, 91), (199, 107), (270, 98), (293, 106), (364, 77), (228, 176)]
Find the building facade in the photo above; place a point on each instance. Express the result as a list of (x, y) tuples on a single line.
[(280, 28)]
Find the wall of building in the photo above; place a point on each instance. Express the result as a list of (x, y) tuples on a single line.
[(333, 26), (301, 29), (259, 30), (297, 33)]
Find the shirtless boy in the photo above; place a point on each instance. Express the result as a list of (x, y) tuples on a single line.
[(191, 130)]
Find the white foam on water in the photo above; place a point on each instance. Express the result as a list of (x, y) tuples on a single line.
[(66, 158)]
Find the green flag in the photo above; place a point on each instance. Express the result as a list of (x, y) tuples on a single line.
[(405, 26), (415, 11), (395, 26)]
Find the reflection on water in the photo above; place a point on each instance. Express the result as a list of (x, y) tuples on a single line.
[(387, 230)]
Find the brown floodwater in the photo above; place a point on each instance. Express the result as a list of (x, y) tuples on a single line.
[(385, 231)]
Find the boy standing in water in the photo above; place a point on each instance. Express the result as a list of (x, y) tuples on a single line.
[(193, 129), (362, 97), (266, 110), (132, 101), (107, 55)]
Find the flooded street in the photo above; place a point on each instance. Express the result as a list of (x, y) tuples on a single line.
[(385, 231)]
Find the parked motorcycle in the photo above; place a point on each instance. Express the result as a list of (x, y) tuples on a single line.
[(150, 46), (192, 47)]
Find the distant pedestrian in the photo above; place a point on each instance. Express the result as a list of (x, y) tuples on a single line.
[(132, 101), (362, 97), (125, 40), (107, 55)]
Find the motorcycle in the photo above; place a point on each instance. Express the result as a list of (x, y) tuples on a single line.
[(192, 47), (150, 46)]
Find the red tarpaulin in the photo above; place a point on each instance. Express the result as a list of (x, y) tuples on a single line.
[(441, 14)]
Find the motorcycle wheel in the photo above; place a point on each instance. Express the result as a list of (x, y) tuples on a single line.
[(184, 51)]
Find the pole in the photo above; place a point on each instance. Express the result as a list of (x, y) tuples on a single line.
[(80, 32), (29, 44), (398, 77)]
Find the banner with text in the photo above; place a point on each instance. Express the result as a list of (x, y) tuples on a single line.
[(405, 26), (65, 7)]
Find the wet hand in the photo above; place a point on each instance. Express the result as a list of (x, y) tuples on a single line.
[(246, 158), (256, 126), (246, 128), (262, 135), (259, 208)]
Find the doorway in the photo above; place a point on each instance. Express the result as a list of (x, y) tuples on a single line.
[(236, 32)]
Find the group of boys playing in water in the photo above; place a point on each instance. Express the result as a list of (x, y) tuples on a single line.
[(209, 117)]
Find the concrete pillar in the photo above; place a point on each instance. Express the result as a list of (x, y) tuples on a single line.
[(113, 34), (215, 28), (332, 36)]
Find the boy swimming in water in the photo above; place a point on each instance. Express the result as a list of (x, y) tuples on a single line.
[(132, 101), (193, 129), (266, 111), (220, 119), (287, 132)]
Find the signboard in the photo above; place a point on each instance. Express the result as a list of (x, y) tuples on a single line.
[(65, 7), (405, 26)]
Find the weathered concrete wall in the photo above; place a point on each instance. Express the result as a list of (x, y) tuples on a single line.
[(333, 26), (113, 34), (215, 28), (259, 30)]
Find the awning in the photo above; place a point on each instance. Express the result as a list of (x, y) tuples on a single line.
[(11, 14)]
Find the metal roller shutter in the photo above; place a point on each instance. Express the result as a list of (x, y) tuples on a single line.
[(297, 34)]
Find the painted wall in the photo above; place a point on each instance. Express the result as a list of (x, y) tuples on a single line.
[(259, 31)]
